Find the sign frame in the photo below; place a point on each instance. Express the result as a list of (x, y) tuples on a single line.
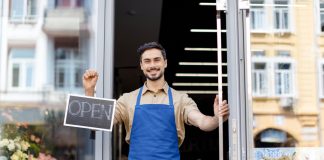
[(88, 127)]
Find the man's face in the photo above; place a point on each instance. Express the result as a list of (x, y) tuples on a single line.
[(153, 64)]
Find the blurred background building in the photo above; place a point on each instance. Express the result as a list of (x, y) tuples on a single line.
[(45, 48), (287, 72)]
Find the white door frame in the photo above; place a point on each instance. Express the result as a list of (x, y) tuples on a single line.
[(105, 67)]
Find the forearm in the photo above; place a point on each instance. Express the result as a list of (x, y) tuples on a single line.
[(208, 123), (203, 122)]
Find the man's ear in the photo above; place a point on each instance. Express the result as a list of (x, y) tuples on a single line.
[(166, 63)]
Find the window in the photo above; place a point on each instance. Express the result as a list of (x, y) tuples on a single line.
[(21, 68), (259, 78), (257, 15), (68, 69), (273, 15), (259, 74), (23, 11), (281, 15), (322, 15), (272, 76), (283, 79)]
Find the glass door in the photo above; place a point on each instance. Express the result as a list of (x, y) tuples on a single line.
[(44, 50), (287, 46)]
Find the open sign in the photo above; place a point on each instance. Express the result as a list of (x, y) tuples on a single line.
[(89, 112)]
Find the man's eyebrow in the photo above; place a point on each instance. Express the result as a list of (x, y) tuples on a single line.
[(146, 59), (155, 58)]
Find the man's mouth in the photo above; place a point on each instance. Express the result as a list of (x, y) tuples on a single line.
[(154, 70)]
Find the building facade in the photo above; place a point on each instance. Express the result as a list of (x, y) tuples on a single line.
[(45, 48)]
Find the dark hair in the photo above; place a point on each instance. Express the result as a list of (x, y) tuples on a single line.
[(151, 45)]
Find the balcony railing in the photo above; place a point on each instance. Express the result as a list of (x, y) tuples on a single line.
[(23, 19)]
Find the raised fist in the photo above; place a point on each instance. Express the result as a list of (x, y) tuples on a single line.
[(89, 79)]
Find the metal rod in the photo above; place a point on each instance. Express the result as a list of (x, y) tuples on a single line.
[(220, 83)]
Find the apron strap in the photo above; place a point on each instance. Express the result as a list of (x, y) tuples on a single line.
[(138, 101), (139, 96), (170, 97)]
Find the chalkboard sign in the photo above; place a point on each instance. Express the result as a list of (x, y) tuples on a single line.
[(89, 112)]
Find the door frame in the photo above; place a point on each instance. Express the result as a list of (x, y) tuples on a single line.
[(105, 66), (239, 92), (239, 67)]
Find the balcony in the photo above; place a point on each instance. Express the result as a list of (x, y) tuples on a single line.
[(67, 22), (23, 19)]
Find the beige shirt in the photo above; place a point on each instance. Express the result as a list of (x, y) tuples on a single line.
[(183, 105)]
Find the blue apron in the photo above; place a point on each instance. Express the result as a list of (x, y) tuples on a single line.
[(154, 134)]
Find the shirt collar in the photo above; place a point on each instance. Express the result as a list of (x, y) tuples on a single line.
[(165, 88)]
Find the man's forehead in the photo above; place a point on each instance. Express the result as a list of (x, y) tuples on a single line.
[(152, 53)]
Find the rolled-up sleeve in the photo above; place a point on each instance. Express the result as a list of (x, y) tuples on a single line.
[(188, 105), (121, 115)]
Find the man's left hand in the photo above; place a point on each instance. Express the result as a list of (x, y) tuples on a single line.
[(222, 110)]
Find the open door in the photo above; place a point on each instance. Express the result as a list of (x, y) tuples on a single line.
[(194, 35), (287, 79)]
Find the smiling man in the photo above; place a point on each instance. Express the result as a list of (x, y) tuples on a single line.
[(155, 114)]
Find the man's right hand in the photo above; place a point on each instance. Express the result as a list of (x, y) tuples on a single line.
[(89, 80)]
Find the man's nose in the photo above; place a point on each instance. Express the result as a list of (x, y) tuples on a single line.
[(152, 68), (152, 64)]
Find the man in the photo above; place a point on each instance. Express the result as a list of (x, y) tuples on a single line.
[(154, 115)]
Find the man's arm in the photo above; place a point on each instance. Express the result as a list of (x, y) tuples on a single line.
[(209, 123), (89, 79)]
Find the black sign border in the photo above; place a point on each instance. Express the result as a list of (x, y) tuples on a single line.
[(87, 127)]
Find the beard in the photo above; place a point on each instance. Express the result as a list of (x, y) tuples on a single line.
[(155, 77)]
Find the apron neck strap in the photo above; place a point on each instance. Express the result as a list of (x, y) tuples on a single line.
[(170, 96), (138, 101), (139, 96)]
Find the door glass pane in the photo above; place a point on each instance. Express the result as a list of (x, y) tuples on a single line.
[(44, 64), (288, 119)]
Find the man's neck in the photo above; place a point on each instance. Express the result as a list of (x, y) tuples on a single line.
[(155, 85)]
